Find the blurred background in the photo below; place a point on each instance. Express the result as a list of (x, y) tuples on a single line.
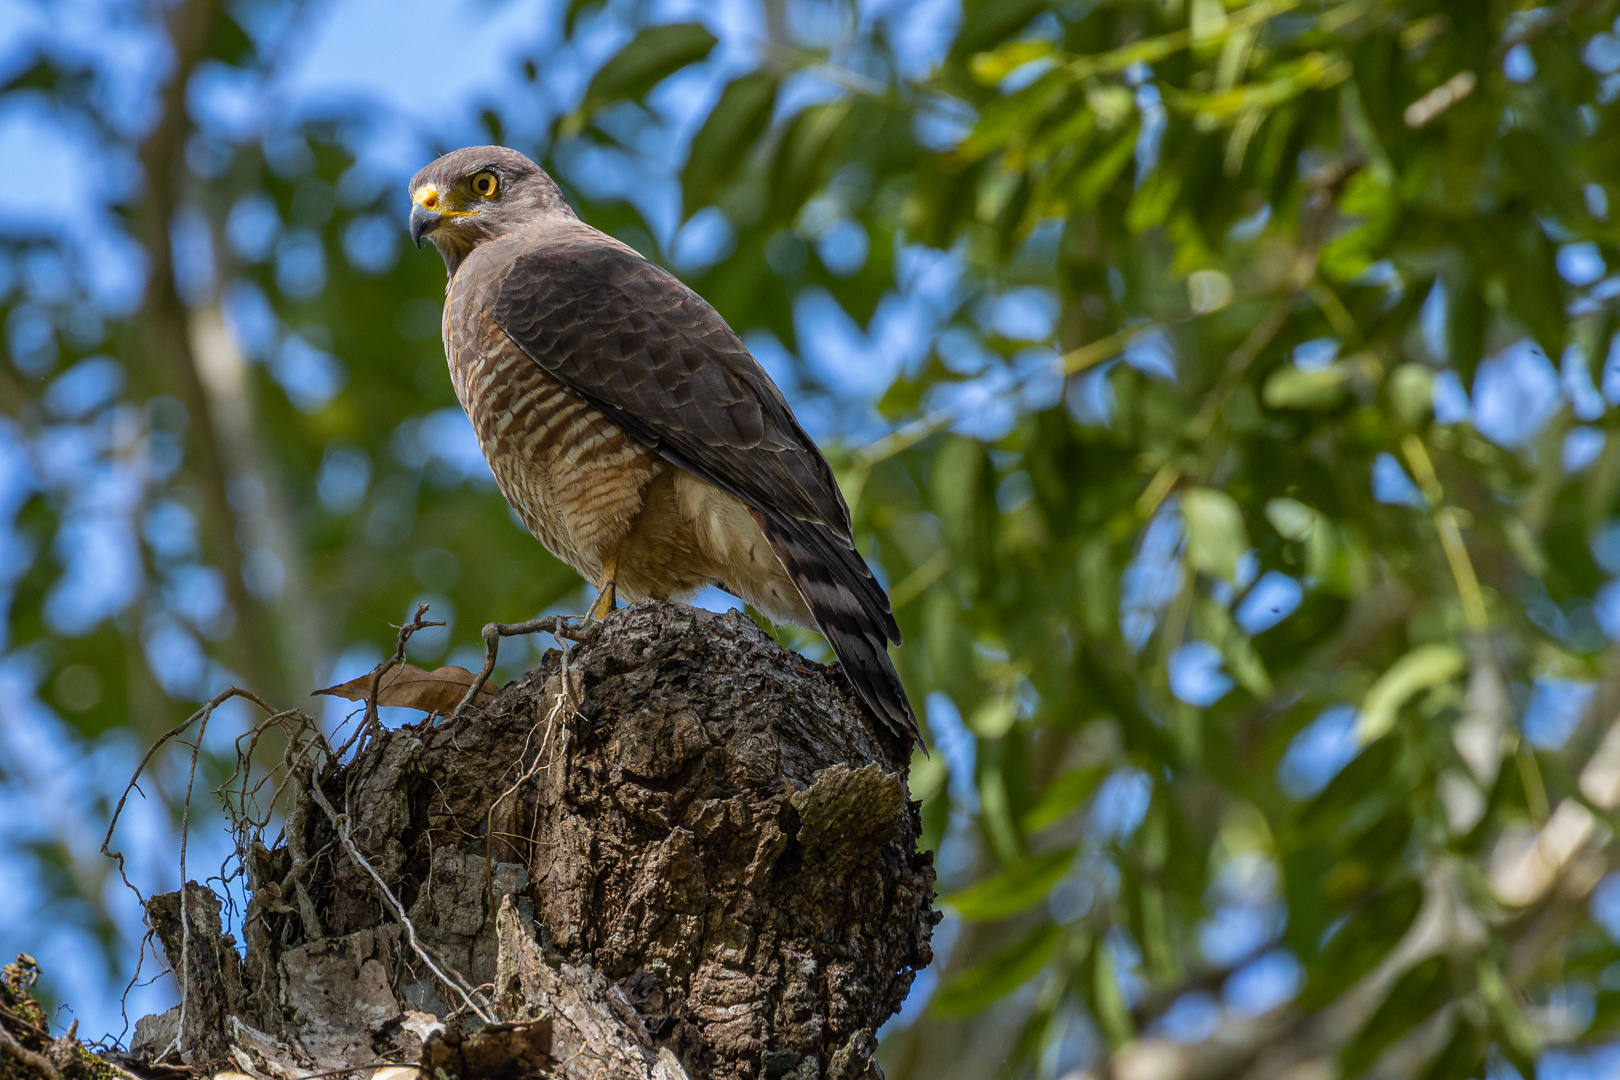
[(1222, 389)]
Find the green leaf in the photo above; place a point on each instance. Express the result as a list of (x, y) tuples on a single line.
[(959, 467), (1018, 886), (1290, 387), (1100, 175), (1351, 252), (1151, 204), (801, 160), (1413, 998), (994, 717), (1063, 796), (1463, 1056), (1216, 626), (571, 14), (986, 23), (1113, 1012), (1411, 391), (928, 775), (723, 143), (1424, 667), (1606, 1016), (989, 982), (1216, 536), (1338, 558), (1293, 520), (228, 41), (1012, 118), (651, 57), (990, 68), (1365, 780), (1467, 317), (1543, 168)]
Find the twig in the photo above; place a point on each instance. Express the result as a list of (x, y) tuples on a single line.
[(557, 626), (118, 856), (123, 999), (398, 660), (341, 824)]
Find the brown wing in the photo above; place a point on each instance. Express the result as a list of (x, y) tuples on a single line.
[(662, 364)]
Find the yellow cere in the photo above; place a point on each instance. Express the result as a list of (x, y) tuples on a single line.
[(428, 197)]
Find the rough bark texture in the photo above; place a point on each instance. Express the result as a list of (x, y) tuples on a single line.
[(686, 848)]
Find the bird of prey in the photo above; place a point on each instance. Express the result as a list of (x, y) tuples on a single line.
[(628, 425)]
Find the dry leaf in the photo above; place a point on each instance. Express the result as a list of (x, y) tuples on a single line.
[(437, 691)]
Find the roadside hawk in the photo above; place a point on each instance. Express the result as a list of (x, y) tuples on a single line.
[(628, 425)]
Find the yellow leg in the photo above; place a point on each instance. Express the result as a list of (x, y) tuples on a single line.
[(607, 597)]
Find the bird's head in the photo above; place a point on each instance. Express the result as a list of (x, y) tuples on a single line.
[(478, 193)]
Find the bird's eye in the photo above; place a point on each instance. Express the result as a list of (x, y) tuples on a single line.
[(484, 185)]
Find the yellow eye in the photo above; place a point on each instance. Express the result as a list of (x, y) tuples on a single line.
[(484, 185)]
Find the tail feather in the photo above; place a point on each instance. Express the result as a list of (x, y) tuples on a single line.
[(850, 609)]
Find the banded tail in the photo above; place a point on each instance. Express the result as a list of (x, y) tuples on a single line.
[(850, 609)]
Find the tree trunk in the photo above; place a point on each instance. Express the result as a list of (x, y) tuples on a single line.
[(680, 850)]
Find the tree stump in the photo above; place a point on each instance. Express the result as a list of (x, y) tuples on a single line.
[(678, 847)]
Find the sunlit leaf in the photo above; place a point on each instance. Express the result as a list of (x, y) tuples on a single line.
[(1291, 388), (1294, 520), (994, 717), (1216, 535), (992, 67), (1424, 667)]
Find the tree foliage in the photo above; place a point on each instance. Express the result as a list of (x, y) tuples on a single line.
[(1243, 483)]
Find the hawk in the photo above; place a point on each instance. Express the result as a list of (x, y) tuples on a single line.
[(628, 425)]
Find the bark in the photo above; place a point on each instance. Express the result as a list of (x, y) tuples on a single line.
[(679, 851)]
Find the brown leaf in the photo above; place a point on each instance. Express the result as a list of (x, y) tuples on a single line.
[(437, 691)]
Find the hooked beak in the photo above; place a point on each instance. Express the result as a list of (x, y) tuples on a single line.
[(423, 221)]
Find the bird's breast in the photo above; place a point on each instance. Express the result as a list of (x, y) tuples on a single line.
[(575, 478)]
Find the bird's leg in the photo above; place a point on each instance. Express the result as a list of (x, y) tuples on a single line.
[(607, 597)]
